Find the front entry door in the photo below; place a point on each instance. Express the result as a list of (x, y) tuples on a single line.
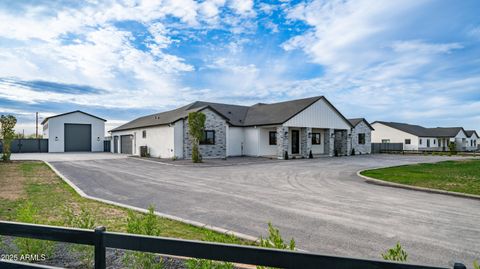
[(295, 142)]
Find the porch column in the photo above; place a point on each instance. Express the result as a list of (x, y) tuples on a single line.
[(329, 142), (349, 142), (306, 141), (282, 141)]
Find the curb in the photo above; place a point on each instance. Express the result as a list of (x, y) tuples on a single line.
[(163, 215), (415, 188)]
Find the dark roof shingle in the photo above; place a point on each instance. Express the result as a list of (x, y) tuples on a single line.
[(422, 131), (237, 115)]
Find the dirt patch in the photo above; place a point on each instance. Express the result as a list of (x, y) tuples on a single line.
[(11, 182)]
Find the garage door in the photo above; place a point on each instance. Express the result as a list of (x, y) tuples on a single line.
[(78, 137), (126, 144)]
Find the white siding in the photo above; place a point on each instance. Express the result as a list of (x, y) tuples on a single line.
[(318, 115), (160, 140), (265, 149), (251, 141), (235, 141), (382, 132), (56, 131)]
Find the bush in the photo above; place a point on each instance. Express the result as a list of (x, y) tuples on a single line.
[(275, 240), (196, 126), (310, 155), (452, 147), (476, 265), (396, 253), (84, 220), (7, 134), (146, 225), (28, 246)]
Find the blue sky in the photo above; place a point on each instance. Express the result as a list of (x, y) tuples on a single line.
[(414, 61)]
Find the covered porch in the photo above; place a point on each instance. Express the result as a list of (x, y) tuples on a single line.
[(299, 142)]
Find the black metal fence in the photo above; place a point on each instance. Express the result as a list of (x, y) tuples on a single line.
[(386, 147), (101, 239), (27, 145)]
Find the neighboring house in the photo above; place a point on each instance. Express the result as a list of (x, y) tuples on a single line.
[(472, 140), (361, 136), (297, 127), (415, 137), (74, 131)]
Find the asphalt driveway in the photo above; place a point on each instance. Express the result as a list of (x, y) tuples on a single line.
[(321, 203)]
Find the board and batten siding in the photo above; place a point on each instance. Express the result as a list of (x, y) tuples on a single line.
[(382, 131), (56, 131), (318, 115)]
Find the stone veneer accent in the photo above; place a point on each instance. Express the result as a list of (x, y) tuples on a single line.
[(214, 122), (305, 142), (342, 142), (282, 141), (366, 148)]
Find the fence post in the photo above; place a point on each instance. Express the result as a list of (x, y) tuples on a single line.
[(100, 248), (459, 265)]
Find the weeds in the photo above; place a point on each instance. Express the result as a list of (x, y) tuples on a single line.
[(396, 253), (146, 225), (84, 220)]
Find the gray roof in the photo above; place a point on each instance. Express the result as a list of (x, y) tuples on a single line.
[(236, 115), (71, 112), (356, 121), (422, 131), (471, 132)]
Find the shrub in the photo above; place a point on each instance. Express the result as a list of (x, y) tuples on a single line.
[(396, 253), (476, 265), (28, 246), (452, 147), (353, 152), (310, 155), (7, 134), (285, 155), (147, 225), (196, 125), (275, 240), (84, 220)]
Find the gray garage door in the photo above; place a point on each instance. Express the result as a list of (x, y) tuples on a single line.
[(78, 137), (126, 144)]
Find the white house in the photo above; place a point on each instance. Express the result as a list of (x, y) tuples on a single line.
[(415, 137), (74, 131), (295, 127), (472, 140)]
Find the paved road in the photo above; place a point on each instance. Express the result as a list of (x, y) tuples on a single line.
[(320, 202)]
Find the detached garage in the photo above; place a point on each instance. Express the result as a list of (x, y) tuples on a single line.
[(74, 131)]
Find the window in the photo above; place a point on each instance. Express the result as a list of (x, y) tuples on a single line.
[(421, 142), (384, 141), (144, 134), (272, 138), (316, 139), (434, 141), (361, 139), (408, 141), (428, 143), (208, 137)]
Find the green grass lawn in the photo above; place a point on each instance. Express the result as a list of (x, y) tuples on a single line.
[(457, 176), (35, 183)]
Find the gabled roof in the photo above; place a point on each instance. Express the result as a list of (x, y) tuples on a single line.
[(71, 112), (421, 131), (356, 121), (236, 115), (471, 132)]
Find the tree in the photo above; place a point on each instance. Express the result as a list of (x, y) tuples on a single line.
[(196, 125), (7, 134)]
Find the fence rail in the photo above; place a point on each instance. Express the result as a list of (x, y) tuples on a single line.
[(101, 239)]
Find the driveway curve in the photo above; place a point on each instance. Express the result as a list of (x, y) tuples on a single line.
[(321, 203)]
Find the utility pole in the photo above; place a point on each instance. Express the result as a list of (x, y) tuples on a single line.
[(36, 124)]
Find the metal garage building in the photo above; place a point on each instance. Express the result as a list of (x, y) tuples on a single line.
[(74, 131)]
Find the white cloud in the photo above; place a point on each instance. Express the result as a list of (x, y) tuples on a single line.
[(242, 7)]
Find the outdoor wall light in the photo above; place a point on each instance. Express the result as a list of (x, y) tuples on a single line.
[(332, 135), (98, 138), (286, 133), (56, 138), (309, 135)]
